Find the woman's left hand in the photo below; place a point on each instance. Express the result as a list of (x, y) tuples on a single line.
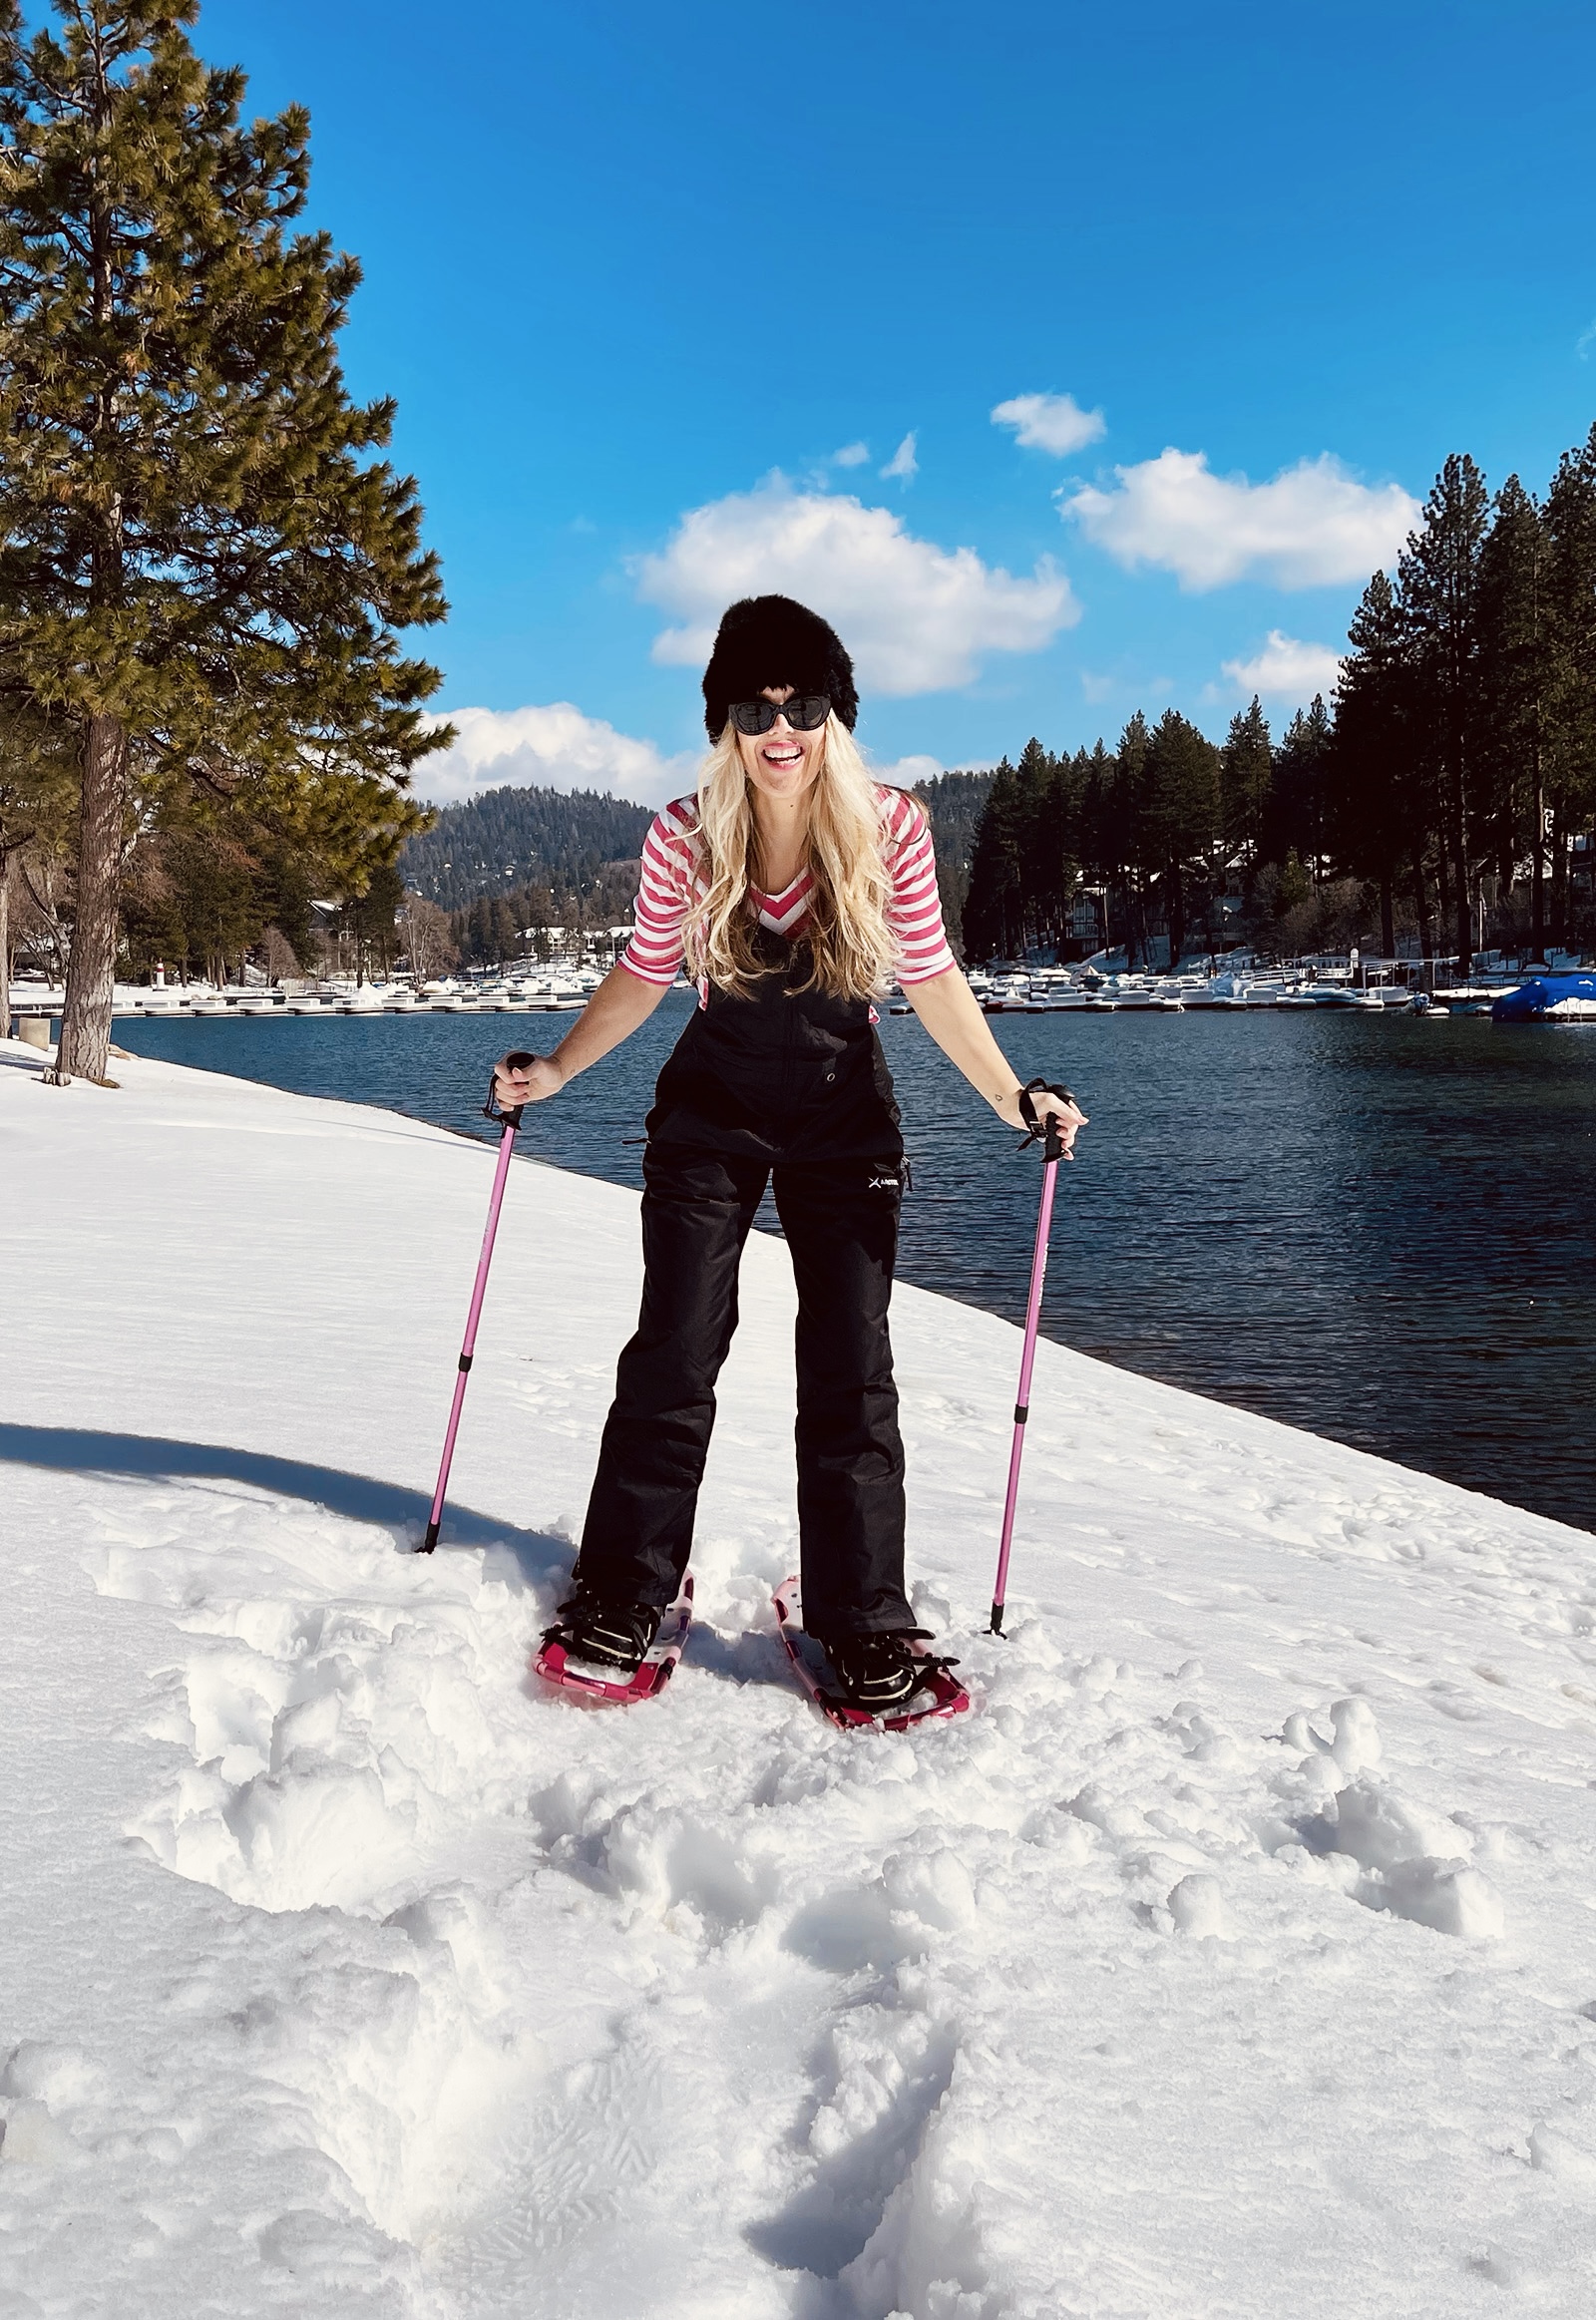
[(1072, 1119), (950, 1013)]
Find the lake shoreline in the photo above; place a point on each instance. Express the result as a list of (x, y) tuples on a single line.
[(1383, 1232)]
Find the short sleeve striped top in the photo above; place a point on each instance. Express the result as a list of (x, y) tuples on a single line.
[(670, 857)]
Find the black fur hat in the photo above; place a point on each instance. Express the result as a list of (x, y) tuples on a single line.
[(771, 642)]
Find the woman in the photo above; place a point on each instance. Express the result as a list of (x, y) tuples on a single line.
[(795, 888)]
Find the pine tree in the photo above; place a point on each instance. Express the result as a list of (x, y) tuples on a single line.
[(1058, 837), (1181, 813), (1125, 832), (1440, 577), (993, 906), (1297, 817), (1571, 687), (1097, 774), (372, 920), (1515, 666), (1246, 768), (1368, 812), (1044, 842), (205, 569)]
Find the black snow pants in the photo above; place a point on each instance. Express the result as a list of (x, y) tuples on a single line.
[(790, 1087)]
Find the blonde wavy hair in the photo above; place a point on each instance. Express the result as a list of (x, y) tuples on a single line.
[(851, 945)]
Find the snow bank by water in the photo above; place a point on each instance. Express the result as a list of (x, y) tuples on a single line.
[(1238, 1956)]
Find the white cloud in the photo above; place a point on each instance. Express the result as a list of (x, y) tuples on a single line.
[(903, 463), (917, 617), (1313, 526), (1585, 341), (548, 748), (559, 748), (904, 772), (1054, 423), (851, 455), (1286, 669)]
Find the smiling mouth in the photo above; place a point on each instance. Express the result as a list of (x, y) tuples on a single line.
[(781, 758)]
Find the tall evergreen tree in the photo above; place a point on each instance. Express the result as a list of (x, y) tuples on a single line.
[(1180, 814), (1097, 775), (1368, 813), (1515, 667), (1124, 833), (1296, 820), (1440, 578), (1043, 837), (1246, 769), (993, 905), (1572, 788), (204, 568)]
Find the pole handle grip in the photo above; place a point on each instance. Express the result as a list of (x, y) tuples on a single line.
[(1038, 1131), (517, 1059)]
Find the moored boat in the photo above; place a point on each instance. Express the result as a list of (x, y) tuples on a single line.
[(1548, 999)]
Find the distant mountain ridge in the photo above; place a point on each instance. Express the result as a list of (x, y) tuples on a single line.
[(511, 838)]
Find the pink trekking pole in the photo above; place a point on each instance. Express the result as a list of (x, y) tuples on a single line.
[(1052, 1151), (507, 1142)]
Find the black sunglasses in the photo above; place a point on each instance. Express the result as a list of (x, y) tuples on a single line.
[(804, 712)]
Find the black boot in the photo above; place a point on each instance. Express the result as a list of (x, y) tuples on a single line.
[(877, 1673), (608, 1634)]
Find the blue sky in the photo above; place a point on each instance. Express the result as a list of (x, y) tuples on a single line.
[(637, 274)]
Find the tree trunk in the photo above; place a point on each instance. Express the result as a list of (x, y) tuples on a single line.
[(5, 942), (1559, 908), (1175, 911), (91, 966), (1537, 877), (1465, 915), (1466, 925), (1421, 905), (1444, 892), (1388, 914)]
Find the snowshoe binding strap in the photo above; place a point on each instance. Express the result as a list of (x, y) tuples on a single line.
[(878, 1673), (608, 1635), (937, 1695)]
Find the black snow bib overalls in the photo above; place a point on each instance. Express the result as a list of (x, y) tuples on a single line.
[(788, 1085)]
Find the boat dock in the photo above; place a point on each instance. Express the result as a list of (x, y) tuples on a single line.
[(32, 1003)]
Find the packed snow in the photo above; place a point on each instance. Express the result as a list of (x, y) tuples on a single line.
[(1235, 1956)]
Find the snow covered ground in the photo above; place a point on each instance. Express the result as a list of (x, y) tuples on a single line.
[(1237, 1958)]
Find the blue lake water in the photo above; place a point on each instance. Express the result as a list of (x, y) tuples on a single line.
[(1384, 1231)]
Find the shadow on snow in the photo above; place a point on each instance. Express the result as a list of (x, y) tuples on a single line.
[(360, 1497)]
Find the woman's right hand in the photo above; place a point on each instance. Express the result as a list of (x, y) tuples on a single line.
[(521, 1080)]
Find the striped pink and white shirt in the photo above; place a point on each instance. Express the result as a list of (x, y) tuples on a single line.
[(671, 878)]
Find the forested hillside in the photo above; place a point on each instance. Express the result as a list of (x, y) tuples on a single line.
[(516, 860), (1445, 800), (512, 838), (955, 803)]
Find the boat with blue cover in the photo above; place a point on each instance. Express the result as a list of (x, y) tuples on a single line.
[(1549, 998)]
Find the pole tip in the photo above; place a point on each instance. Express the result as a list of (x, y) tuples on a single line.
[(429, 1541), (997, 1627)]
